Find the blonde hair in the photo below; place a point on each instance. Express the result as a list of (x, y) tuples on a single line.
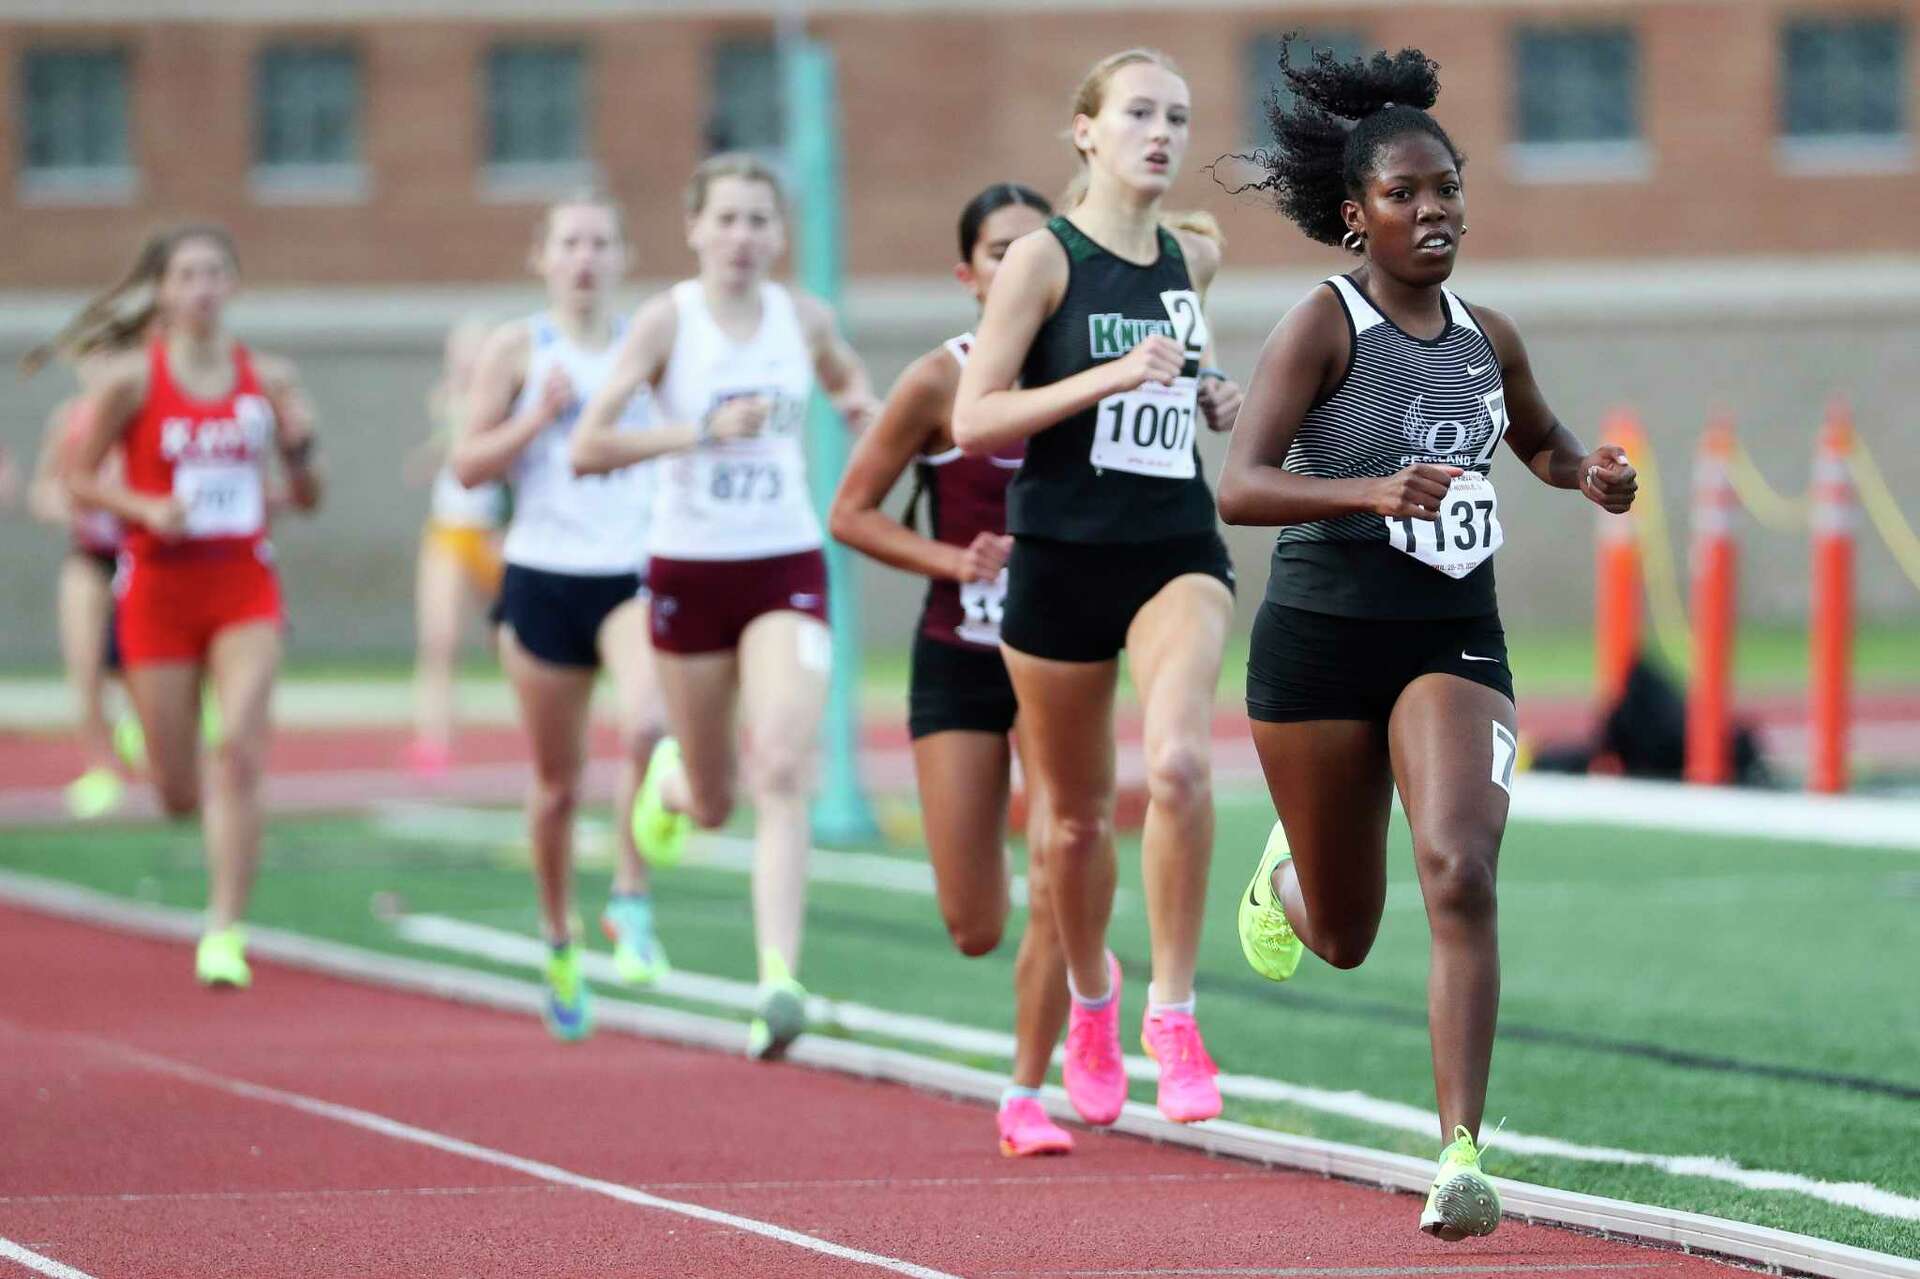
[(120, 315), (1091, 94), (732, 164), (1196, 222)]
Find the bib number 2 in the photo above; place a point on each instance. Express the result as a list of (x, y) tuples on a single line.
[(1463, 534)]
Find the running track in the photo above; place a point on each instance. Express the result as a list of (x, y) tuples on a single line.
[(155, 1130)]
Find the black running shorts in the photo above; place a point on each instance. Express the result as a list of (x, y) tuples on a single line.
[(1307, 666), (957, 687), (1073, 601), (557, 616)]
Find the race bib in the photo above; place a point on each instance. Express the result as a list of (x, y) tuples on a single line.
[(984, 604), (222, 499), (1148, 430), (1464, 532)]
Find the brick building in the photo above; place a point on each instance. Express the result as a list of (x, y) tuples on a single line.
[(410, 141)]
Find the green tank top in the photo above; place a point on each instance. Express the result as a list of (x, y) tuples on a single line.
[(1128, 469)]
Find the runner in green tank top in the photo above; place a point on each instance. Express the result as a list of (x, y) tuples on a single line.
[(1097, 319)]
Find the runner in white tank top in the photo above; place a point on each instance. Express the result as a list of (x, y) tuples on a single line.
[(739, 585), (571, 597), (737, 499), (457, 572)]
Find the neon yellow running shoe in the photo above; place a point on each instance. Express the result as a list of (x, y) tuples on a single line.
[(638, 956), (782, 1014), (129, 742), (1463, 1202), (569, 1006), (658, 832), (221, 960), (1266, 938), (95, 793), (210, 727)]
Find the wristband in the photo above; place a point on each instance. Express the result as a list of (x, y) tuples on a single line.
[(703, 431), (297, 455), (1208, 372)]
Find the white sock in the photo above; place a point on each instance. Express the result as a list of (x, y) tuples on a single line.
[(1155, 1007), (1017, 1092), (1083, 1001)]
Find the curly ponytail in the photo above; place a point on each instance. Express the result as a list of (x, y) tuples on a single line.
[(1328, 138)]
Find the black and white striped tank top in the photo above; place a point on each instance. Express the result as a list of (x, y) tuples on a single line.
[(1402, 400)]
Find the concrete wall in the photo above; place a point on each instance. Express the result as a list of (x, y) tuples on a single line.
[(1770, 344)]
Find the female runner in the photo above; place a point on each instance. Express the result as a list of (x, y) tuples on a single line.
[(198, 417), (571, 599), (1378, 659), (459, 568), (961, 704), (1092, 350), (739, 583)]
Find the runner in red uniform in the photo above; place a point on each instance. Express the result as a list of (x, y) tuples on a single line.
[(197, 417)]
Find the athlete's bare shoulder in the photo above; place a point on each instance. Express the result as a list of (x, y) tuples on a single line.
[(277, 372), (507, 346), (934, 376), (1202, 254), (120, 377)]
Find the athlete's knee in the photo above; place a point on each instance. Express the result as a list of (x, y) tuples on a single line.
[(179, 799), (555, 799), (1076, 838), (975, 935), (638, 737), (781, 769), (1178, 774), (237, 763), (1457, 876)]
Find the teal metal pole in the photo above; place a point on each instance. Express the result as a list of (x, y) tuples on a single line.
[(841, 814)]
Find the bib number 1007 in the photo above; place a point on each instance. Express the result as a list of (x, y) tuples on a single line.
[(1464, 532), (1148, 431)]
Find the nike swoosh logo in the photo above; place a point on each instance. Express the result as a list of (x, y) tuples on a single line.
[(1473, 372), (1471, 658), (1253, 896)]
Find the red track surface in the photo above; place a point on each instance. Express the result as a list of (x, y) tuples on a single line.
[(119, 1165)]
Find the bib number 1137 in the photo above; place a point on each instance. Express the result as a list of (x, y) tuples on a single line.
[(1464, 532)]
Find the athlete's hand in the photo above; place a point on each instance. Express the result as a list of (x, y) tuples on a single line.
[(858, 411), (983, 560), (555, 398), (1220, 400), (1608, 479), (738, 418), (164, 516), (1412, 493), (1158, 358)]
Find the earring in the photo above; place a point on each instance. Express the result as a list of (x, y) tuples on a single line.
[(1354, 242), (1463, 228)]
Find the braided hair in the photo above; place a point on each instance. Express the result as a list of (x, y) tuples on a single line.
[(1327, 140)]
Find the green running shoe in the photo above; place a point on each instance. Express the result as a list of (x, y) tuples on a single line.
[(782, 1015), (129, 742), (95, 793), (221, 960), (1463, 1202), (1266, 938), (569, 1006), (658, 832), (638, 956)]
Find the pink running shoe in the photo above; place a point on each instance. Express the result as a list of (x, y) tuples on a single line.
[(1026, 1129), (1188, 1093), (1095, 1073), (426, 760)]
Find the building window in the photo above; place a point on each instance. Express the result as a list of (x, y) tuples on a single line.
[(745, 97), (1843, 92), (536, 97), (75, 137), (1577, 105), (307, 123), (1261, 61)]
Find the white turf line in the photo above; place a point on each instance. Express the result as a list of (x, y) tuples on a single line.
[(368, 1121), (11, 1251), (1690, 1231), (513, 948)]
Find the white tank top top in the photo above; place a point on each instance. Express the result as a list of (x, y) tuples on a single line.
[(587, 525), (738, 499)]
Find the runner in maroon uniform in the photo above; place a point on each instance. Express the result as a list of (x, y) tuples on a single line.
[(962, 705)]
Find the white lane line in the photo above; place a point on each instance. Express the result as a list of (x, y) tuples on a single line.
[(483, 942), (368, 1121), (11, 1251), (1384, 1272)]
